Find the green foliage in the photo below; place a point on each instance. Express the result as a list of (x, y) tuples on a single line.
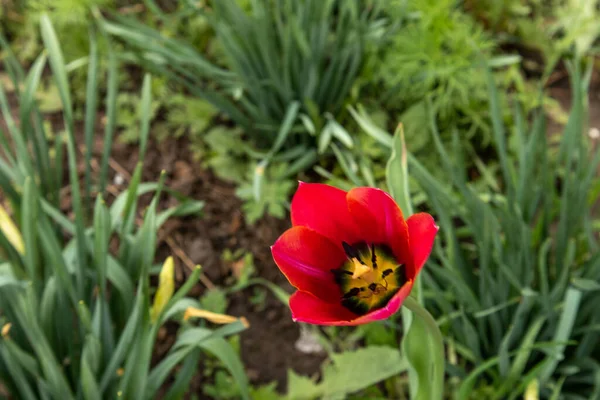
[(308, 51), (431, 63), (346, 374), (214, 300), (222, 387), (435, 57), (71, 19), (281, 70), (266, 392), (275, 193), (128, 105), (226, 155), (287, 70), (174, 114), (513, 272), (554, 28), (75, 298)]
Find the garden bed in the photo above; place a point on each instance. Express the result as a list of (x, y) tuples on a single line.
[(267, 347)]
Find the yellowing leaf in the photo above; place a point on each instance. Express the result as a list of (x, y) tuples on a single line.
[(213, 317), (532, 392), (10, 230), (6, 329), (166, 286)]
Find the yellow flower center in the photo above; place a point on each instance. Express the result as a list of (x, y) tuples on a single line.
[(369, 278)]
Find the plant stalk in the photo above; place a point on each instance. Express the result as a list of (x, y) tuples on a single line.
[(436, 346)]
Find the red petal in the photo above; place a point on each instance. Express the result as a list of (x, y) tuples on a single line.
[(422, 230), (380, 220), (307, 308), (306, 258), (323, 208)]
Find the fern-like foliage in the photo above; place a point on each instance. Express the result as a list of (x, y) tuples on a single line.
[(437, 55)]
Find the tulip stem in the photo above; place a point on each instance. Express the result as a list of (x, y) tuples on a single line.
[(436, 345)]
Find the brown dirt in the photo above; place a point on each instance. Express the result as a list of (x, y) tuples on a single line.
[(267, 347)]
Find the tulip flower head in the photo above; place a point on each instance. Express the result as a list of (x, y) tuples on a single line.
[(351, 255)]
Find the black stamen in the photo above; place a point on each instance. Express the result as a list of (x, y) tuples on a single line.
[(386, 272), (372, 287), (351, 293), (350, 251), (373, 256), (340, 272)]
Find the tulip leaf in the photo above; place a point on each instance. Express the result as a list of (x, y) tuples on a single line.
[(344, 375), (423, 348), (397, 173), (302, 387)]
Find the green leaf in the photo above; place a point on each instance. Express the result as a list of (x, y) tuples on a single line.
[(397, 173), (340, 133), (214, 300), (418, 357), (126, 340), (91, 109), (90, 388), (111, 110), (301, 387), (145, 115), (28, 225), (102, 228), (16, 371), (343, 377), (369, 126), (191, 339), (60, 76), (221, 349), (184, 376), (586, 285), (562, 334)]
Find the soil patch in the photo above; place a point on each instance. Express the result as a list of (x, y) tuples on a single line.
[(267, 347)]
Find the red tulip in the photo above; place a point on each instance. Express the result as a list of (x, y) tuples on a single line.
[(351, 255)]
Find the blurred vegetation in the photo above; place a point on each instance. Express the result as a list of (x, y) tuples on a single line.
[(267, 91), (553, 28), (79, 320)]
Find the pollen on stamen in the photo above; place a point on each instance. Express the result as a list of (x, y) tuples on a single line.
[(359, 269), (373, 267)]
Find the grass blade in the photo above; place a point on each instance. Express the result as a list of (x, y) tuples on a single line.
[(397, 173), (60, 76), (562, 334), (91, 107), (145, 115), (111, 109)]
